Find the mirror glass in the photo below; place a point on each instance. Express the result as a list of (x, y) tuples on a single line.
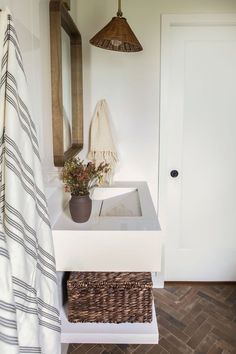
[(66, 90)]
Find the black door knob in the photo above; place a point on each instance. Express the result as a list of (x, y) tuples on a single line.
[(174, 173)]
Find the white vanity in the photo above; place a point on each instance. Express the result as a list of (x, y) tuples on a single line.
[(123, 234)]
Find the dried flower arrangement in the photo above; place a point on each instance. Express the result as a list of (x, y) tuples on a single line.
[(79, 177)]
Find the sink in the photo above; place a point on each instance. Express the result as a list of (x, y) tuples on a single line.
[(118, 202), (122, 234)]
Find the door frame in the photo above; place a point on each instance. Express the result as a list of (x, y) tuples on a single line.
[(168, 21)]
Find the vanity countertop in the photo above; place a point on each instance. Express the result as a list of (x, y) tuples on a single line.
[(122, 206)]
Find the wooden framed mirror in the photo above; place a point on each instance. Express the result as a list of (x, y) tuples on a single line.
[(67, 85)]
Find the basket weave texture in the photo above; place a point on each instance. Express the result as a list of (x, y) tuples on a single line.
[(117, 29), (109, 297)]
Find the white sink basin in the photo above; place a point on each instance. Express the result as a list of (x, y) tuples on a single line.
[(123, 206), (118, 202), (122, 234)]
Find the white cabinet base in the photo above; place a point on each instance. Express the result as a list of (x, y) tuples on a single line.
[(105, 243), (125, 333)]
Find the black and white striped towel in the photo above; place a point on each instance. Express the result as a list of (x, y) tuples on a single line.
[(29, 316)]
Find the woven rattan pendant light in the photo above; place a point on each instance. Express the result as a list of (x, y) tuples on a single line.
[(117, 35)]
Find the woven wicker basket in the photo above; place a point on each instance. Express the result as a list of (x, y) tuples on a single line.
[(109, 297)]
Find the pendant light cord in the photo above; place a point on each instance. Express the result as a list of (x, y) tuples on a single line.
[(119, 13)]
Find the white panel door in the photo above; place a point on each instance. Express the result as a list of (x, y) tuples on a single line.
[(198, 139)]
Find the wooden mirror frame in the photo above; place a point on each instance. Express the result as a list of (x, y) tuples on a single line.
[(60, 18)]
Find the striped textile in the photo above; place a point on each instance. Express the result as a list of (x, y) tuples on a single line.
[(29, 316)]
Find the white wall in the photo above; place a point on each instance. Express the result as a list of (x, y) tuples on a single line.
[(31, 18), (129, 82)]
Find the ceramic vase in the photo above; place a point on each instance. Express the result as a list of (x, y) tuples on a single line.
[(80, 208)]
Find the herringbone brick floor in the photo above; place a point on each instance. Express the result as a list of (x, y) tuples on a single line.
[(192, 319)]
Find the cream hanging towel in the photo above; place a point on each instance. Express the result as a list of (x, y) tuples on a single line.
[(102, 148)]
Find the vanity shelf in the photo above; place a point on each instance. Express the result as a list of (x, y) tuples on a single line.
[(127, 333), (122, 235)]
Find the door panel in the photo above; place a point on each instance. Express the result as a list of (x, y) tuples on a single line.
[(209, 159), (198, 138)]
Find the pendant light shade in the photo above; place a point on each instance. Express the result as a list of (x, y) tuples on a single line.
[(117, 35)]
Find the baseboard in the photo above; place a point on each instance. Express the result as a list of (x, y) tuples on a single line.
[(158, 280), (64, 348), (198, 283)]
